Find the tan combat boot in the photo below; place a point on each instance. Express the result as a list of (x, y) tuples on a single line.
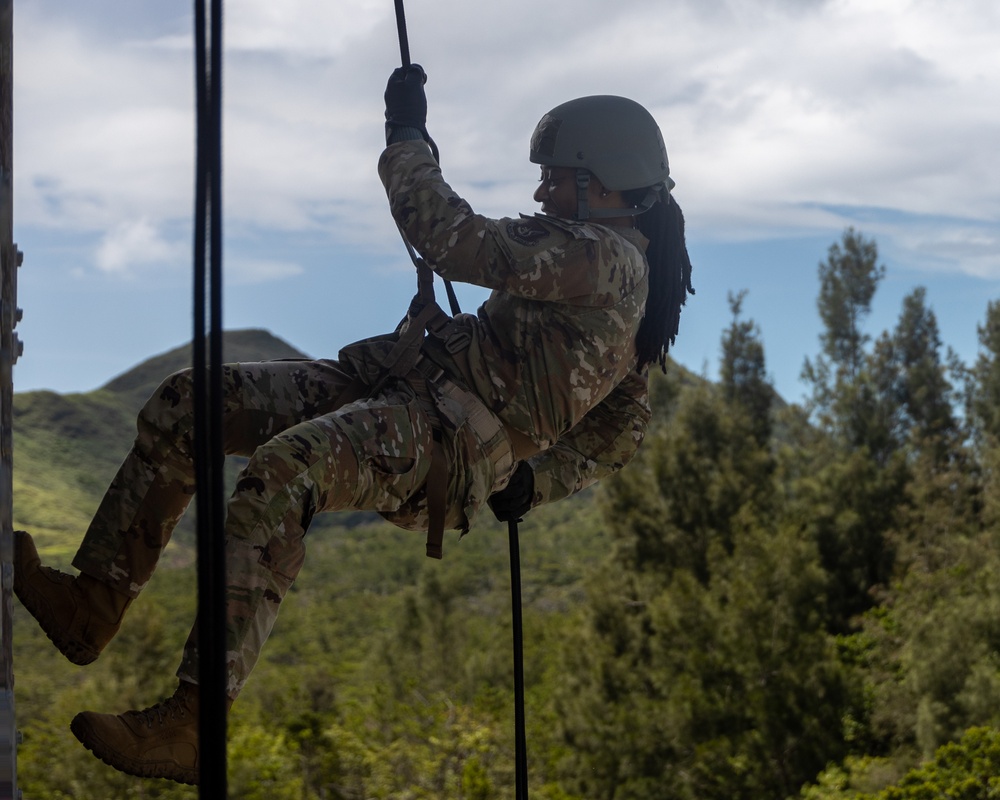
[(80, 615), (159, 742)]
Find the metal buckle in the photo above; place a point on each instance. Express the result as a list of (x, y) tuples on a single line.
[(431, 371)]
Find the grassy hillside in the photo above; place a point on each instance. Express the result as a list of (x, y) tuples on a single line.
[(67, 447)]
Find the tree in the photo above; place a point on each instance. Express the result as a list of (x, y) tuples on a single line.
[(852, 481), (743, 373), (842, 393), (962, 770), (965, 770), (848, 280), (922, 386), (702, 668), (983, 394)]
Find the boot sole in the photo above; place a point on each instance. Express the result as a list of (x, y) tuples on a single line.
[(73, 650), (141, 769)]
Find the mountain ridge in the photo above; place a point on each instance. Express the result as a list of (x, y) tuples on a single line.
[(247, 344), (68, 447)]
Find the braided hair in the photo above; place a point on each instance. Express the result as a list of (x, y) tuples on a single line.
[(669, 277)]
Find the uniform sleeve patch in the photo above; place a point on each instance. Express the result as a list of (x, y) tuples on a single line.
[(528, 232)]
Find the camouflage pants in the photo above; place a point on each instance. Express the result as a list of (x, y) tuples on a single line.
[(307, 453)]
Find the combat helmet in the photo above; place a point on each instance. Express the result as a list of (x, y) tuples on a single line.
[(611, 137)]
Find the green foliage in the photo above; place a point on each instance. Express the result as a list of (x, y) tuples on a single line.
[(886, 414), (852, 777), (704, 669), (983, 393), (846, 396), (923, 389), (848, 280), (705, 467), (743, 373), (771, 601), (935, 651), (965, 770)]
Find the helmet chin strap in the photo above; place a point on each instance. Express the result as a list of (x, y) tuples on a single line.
[(583, 210), (582, 200)]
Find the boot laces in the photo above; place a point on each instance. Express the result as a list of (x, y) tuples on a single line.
[(171, 708)]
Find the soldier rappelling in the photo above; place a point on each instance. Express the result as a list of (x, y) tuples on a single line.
[(540, 393)]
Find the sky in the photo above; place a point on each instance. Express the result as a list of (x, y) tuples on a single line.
[(786, 122)]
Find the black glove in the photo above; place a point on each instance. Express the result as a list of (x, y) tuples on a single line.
[(514, 500), (405, 101)]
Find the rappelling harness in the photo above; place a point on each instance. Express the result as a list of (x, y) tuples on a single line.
[(405, 361)]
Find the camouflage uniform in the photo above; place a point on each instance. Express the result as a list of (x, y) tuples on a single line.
[(552, 350), (545, 371)]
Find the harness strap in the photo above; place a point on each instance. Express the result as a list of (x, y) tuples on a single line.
[(437, 499), (424, 314), (402, 358), (487, 429)]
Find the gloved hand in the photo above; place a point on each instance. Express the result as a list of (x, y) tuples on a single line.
[(514, 500), (405, 101)]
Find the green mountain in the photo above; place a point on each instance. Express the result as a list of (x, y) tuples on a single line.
[(244, 345), (67, 447)]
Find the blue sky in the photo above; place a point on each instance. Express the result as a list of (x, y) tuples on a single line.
[(786, 121)]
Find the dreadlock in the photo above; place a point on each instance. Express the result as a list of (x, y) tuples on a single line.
[(669, 277)]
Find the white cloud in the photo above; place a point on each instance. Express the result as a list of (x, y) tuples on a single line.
[(767, 106), (131, 245), (243, 272), (784, 119), (301, 27), (102, 132)]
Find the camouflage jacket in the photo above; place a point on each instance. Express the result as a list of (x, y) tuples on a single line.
[(552, 350)]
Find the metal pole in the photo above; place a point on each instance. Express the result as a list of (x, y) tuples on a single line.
[(10, 349)]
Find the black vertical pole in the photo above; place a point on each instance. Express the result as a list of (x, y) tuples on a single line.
[(10, 259), (210, 458)]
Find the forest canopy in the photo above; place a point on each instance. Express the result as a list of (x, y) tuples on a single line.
[(773, 600)]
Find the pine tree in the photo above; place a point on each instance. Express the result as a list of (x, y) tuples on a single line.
[(848, 280), (983, 395), (844, 392), (854, 477), (743, 371), (703, 668), (924, 389)]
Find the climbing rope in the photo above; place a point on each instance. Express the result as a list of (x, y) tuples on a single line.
[(425, 278), (425, 288), (207, 375), (520, 740)]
